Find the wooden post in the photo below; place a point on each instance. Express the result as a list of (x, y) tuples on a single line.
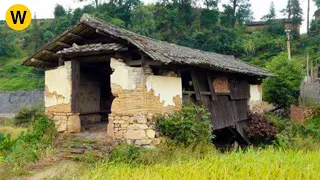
[(288, 44), (308, 18), (308, 66), (75, 78)]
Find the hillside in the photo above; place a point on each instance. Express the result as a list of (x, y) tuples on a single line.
[(206, 29)]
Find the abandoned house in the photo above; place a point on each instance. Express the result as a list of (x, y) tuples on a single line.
[(97, 73)]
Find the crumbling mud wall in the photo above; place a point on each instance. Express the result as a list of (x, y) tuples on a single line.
[(138, 97), (58, 85)]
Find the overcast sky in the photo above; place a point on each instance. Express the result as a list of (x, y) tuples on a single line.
[(44, 8)]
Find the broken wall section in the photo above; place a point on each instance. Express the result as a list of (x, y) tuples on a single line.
[(138, 97)]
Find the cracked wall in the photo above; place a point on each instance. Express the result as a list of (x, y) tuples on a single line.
[(138, 97)]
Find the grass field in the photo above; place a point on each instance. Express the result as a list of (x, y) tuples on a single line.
[(253, 164)]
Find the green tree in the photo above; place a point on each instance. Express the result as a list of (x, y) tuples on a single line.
[(283, 89), (211, 4), (142, 20), (271, 15), (59, 11), (244, 13), (293, 11), (236, 10)]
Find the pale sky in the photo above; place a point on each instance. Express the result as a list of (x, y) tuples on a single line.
[(44, 8)]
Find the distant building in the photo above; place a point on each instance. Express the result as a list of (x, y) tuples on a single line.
[(260, 25)]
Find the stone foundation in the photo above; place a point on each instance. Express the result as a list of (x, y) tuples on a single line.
[(66, 122), (135, 129)]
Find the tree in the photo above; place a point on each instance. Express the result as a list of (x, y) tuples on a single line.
[(234, 7), (283, 89), (271, 15), (244, 13), (211, 4), (59, 11), (142, 20), (293, 11)]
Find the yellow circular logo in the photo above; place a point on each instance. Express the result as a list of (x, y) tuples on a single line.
[(18, 17)]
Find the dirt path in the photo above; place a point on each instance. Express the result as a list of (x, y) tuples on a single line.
[(65, 169)]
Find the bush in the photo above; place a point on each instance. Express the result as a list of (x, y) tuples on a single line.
[(125, 153), (283, 90), (26, 115), (28, 146), (260, 129), (189, 126)]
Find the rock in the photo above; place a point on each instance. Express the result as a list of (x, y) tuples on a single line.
[(151, 133), (138, 126), (119, 135), (119, 122), (129, 142), (74, 124), (141, 119), (156, 141), (62, 127), (149, 147), (124, 125), (125, 118), (143, 142), (135, 134)]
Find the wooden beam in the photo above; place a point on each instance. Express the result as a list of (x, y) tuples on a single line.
[(196, 85), (48, 52), (43, 62), (210, 84), (65, 45), (77, 36)]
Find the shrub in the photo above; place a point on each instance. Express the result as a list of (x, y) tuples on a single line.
[(26, 115), (260, 129), (189, 126), (125, 153), (28, 146), (283, 90)]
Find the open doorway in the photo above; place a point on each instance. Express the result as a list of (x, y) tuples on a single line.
[(95, 97)]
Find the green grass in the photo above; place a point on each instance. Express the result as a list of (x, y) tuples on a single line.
[(252, 164), (14, 76)]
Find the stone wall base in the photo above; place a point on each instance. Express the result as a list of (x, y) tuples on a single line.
[(134, 129), (66, 122)]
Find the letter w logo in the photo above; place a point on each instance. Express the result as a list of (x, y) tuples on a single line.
[(18, 16)]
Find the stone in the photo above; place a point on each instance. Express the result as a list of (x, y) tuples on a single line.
[(157, 134), (151, 133), (110, 131), (141, 119), (143, 142), (149, 147), (156, 141), (119, 122), (74, 124), (119, 135), (138, 126), (125, 118), (62, 127), (124, 125), (129, 142), (135, 134), (117, 118)]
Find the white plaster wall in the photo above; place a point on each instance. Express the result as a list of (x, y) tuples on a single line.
[(58, 84), (165, 87), (255, 94), (125, 76)]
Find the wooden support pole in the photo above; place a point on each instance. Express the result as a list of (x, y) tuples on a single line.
[(75, 94)]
